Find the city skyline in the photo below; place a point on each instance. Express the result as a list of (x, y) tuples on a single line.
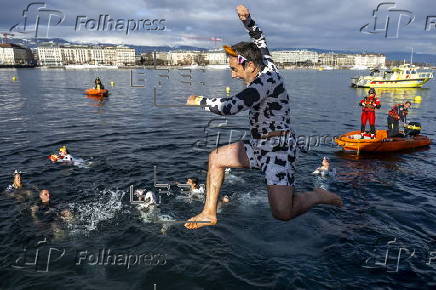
[(314, 25)]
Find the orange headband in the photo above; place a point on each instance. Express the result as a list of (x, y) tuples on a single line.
[(230, 51)]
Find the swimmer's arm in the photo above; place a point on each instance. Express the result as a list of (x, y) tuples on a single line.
[(229, 105)]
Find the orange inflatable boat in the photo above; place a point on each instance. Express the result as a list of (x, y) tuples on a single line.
[(98, 93), (351, 141)]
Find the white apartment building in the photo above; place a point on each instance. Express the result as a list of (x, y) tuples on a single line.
[(51, 55), (217, 56), (295, 56), (13, 54), (180, 57), (370, 60), (124, 56)]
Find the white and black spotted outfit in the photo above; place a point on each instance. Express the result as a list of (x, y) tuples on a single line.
[(268, 102)]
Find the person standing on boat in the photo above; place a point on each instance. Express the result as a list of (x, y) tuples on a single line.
[(397, 113), (369, 105)]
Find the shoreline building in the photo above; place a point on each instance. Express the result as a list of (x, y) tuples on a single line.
[(370, 60), (59, 55), (216, 57), (14, 55), (295, 57)]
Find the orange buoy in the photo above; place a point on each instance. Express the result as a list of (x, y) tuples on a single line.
[(381, 143)]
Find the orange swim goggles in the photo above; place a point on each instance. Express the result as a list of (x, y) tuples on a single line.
[(232, 52)]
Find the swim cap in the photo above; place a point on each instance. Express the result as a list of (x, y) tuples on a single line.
[(17, 172)]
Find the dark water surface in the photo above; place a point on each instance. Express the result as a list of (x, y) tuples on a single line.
[(389, 198)]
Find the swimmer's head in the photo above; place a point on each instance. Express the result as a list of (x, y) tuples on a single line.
[(245, 60), (44, 195), (325, 161), (192, 181), (226, 198), (17, 179), (407, 104), (63, 149), (139, 192), (371, 91)]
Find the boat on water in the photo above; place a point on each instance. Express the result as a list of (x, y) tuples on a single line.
[(352, 141), (97, 92), (403, 76), (359, 67), (217, 66)]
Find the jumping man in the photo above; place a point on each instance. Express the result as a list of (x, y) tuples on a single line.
[(272, 146)]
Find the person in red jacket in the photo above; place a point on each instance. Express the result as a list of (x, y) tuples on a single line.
[(369, 105), (395, 115)]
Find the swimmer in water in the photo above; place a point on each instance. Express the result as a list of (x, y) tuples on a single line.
[(222, 202), (147, 200), (45, 207), (197, 190), (325, 174), (16, 189), (272, 146), (16, 184), (45, 213), (325, 169), (62, 156)]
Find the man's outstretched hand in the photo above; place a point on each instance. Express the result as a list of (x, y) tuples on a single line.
[(243, 12), (194, 100)]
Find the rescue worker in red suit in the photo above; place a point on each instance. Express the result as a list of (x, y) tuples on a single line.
[(369, 105), (397, 113)]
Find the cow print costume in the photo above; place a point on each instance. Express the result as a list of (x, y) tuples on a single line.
[(268, 102)]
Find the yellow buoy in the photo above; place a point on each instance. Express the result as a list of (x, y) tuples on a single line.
[(418, 98), (112, 84), (14, 78), (228, 91)]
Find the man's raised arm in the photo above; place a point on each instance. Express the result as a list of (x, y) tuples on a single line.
[(254, 31)]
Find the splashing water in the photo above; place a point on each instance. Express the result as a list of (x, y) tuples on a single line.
[(88, 215)]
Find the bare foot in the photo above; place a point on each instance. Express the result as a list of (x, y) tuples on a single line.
[(201, 220), (330, 197)]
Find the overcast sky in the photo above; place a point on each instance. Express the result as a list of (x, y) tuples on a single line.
[(327, 24)]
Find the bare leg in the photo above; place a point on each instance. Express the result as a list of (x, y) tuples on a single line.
[(286, 205), (228, 156)]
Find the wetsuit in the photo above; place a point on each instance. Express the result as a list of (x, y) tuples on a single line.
[(269, 110), (46, 212), (397, 113), (369, 105)]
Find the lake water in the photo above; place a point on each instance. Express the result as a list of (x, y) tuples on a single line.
[(389, 199)]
